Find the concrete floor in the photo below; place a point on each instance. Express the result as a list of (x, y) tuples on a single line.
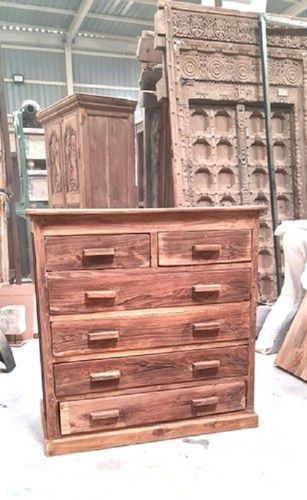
[(270, 460)]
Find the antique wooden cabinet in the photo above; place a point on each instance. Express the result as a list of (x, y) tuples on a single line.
[(147, 322), (90, 152)]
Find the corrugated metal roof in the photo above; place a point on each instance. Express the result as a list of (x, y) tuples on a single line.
[(108, 7), (142, 11), (34, 18), (43, 94), (34, 65), (59, 4), (113, 27)]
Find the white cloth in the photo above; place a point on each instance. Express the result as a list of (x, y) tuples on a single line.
[(277, 323)]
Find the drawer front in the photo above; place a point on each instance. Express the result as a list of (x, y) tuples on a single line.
[(100, 291), (203, 247), (146, 408), (101, 251), (126, 331), (87, 377)]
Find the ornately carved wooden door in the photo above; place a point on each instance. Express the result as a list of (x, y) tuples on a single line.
[(214, 89)]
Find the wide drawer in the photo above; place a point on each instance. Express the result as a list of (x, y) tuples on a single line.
[(81, 292), (99, 251), (179, 248), (141, 409), (146, 329), (84, 377)]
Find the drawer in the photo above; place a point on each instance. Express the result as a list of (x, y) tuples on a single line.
[(146, 408), (87, 377), (82, 292), (179, 248), (99, 251), (146, 329)]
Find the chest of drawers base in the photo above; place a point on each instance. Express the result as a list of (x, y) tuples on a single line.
[(146, 322)]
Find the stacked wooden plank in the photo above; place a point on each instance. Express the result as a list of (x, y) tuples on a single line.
[(204, 133)]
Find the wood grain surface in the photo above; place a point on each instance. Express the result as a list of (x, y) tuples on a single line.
[(151, 433), (67, 293), (141, 330), (201, 247), (148, 370), (104, 251), (145, 409)]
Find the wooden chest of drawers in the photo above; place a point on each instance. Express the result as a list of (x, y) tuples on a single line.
[(147, 322)]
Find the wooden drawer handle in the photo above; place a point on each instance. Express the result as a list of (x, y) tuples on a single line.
[(104, 335), (89, 253), (206, 248), (100, 294), (206, 328), (200, 403), (104, 415), (199, 289), (105, 376), (207, 365)]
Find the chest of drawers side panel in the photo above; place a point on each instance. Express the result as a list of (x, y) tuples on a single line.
[(50, 405), (253, 311)]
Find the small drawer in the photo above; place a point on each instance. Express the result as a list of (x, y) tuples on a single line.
[(149, 329), (85, 377), (146, 408), (180, 248), (84, 292), (101, 251)]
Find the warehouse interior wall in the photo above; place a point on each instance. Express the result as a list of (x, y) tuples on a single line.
[(44, 75)]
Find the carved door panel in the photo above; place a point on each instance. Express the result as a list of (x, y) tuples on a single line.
[(54, 163), (259, 183), (227, 158), (71, 160), (213, 153)]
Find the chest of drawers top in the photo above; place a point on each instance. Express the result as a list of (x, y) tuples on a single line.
[(120, 239)]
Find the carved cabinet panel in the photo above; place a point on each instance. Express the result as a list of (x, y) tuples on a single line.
[(90, 152), (53, 140)]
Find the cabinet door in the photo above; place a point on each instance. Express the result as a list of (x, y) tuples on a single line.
[(71, 160), (110, 150), (56, 191)]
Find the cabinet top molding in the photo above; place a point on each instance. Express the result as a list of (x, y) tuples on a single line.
[(89, 101), (32, 212)]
